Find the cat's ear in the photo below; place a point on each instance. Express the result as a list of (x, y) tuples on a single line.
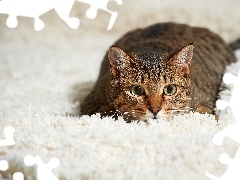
[(118, 59), (182, 59)]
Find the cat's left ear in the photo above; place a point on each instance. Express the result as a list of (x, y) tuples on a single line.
[(118, 59), (182, 59)]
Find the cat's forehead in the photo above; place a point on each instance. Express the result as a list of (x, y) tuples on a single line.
[(151, 60), (147, 68)]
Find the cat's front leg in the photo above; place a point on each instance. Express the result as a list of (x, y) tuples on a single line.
[(205, 109), (107, 110)]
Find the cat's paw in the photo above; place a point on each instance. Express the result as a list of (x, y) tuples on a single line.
[(204, 110)]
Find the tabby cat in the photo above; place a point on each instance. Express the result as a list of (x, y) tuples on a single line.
[(158, 71)]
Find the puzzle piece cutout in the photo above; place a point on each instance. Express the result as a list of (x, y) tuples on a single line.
[(18, 176), (233, 172), (8, 131), (44, 170), (231, 131), (4, 166), (234, 101), (101, 4), (36, 8)]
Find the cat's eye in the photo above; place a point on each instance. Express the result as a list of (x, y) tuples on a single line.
[(170, 89), (137, 90)]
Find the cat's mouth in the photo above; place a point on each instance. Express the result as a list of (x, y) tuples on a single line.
[(165, 113), (150, 115)]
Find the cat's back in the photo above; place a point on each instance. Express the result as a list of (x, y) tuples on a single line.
[(167, 37)]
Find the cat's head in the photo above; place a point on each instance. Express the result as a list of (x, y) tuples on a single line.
[(150, 85)]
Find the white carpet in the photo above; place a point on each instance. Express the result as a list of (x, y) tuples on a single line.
[(45, 75)]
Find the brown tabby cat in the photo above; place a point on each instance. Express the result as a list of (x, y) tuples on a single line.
[(158, 71)]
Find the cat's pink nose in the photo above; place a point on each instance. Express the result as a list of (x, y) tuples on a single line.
[(154, 110)]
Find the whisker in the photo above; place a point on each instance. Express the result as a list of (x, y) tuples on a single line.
[(138, 112), (185, 109), (178, 110)]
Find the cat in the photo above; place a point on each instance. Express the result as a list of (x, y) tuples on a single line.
[(159, 71)]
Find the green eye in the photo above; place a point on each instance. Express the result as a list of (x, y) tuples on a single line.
[(170, 89), (137, 90)]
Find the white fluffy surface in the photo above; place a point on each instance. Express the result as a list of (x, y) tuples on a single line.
[(45, 75)]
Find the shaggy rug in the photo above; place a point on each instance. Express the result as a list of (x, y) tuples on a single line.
[(45, 75)]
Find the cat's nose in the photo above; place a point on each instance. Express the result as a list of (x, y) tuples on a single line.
[(155, 110)]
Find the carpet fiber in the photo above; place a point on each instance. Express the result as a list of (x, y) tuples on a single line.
[(45, 75)]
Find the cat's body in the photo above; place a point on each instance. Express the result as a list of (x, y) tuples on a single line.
[(155, 71)]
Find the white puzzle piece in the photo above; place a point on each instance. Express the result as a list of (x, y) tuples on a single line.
[(35, 8)]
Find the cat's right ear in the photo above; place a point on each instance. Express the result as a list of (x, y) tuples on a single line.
[(118, 59)]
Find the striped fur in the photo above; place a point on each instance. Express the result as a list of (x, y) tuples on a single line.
[(210, 57)]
